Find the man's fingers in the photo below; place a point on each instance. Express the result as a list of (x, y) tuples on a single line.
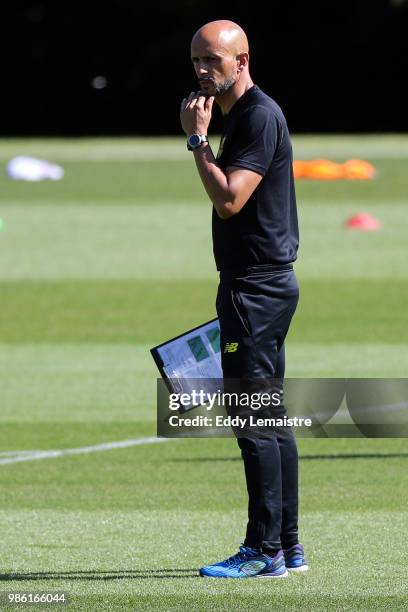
[(209, 103), (186, 101), (200, 101), (197, 100)]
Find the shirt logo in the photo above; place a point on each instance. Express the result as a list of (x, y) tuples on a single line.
[(231, 347)]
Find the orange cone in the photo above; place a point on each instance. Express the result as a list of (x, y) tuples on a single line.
[(363, 222), (299, 168), (358, 169), (323, 169)]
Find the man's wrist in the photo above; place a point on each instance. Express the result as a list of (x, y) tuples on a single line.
[(202, 148), (196, 140)]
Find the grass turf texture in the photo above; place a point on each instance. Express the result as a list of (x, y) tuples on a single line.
[(99, 267)]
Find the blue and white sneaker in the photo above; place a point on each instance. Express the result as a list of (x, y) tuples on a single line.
[(247, 563), (295, 559)]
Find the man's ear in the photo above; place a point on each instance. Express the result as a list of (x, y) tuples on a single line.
[(242, 61)]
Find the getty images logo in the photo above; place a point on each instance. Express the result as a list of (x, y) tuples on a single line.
[(231, 347)]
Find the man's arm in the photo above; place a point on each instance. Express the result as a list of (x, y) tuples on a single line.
[(229, 191)]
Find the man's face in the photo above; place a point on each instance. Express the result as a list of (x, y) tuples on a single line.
[(214, 66)]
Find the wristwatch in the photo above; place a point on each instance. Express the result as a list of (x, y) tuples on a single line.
[(195, 140)]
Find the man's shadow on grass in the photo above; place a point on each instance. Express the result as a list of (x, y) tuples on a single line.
[(301, 458), (101, 575)]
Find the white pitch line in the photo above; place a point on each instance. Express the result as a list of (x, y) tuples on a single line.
[(35, 455), (18, 452)]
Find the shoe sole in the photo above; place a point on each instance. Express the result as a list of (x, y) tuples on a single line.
[(298, 570), (284, 575)]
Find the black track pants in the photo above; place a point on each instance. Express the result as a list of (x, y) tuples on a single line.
[(255, 307)]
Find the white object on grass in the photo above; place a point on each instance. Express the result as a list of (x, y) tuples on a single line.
[(24, 168)]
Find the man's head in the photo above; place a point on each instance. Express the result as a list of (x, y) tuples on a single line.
[(220, 54)]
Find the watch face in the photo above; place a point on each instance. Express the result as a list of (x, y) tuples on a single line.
[(194, 140)]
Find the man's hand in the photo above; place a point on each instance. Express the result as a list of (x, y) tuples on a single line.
[(228, 190), (195, 113)]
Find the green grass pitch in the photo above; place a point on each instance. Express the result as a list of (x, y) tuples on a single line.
[(96, 269)]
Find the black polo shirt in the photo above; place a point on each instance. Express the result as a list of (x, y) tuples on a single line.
[(265, 231)]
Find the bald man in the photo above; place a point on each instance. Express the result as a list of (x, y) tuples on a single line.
[(255, 240)]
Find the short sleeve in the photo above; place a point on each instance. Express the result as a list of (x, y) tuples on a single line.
[(255, 140)]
